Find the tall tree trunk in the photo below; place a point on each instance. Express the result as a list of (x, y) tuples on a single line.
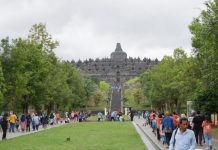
[(178, 107), (26, 105)]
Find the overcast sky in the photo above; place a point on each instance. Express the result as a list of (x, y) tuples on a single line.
[(91, 28)]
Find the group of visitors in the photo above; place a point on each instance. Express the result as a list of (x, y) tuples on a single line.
[(12, 123), (111, 116), (180, 131)]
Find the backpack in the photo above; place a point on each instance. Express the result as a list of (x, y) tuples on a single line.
[(168, 129)]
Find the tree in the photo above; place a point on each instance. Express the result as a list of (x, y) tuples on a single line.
[(90, 87), (98, 97), (2, 86), (22, 61), (133, 94), (205, 42), (39, 35), (167, 85)]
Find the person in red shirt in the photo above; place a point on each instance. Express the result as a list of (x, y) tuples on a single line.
[(207, 132), (159, 120)]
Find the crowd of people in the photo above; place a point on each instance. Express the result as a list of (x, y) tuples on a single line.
[(10, 122), (179, 131), (111, 116)]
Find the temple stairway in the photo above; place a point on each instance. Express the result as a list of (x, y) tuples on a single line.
[(116, 100)]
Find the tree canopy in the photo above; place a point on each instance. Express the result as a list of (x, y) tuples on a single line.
[(31, 76)]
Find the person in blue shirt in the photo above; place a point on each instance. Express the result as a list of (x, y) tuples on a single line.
[(168, 127), (183, 138)]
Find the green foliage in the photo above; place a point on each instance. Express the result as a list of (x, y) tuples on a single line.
[(133, 94), (170, 84), (179, 78), (207, 102), (32, 76), (19, 68), (90, 87), (205, 42), (97, 92), (2, 86), (39, 35), (98, 97), (104, 87)]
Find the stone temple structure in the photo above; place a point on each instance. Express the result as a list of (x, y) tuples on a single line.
[(116, 70)]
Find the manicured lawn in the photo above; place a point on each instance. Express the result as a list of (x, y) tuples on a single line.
[(215, 132), (83, 136)]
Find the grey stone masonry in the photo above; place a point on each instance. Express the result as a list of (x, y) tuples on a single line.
[(116, 99), (116, 69)]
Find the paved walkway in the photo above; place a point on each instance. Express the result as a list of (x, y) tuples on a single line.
[(150, 140)]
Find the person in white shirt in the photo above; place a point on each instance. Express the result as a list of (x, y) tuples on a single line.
[(183, 138), (100, 116)]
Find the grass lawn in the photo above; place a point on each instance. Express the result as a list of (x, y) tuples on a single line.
[(215, 132), (83, 136)]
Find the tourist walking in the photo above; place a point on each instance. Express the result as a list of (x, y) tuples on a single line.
[(12, 121), (100, 116), (159, 120), (207, 133), (197, 127), (168, 127), (44, 120), (4, 125), (131, 115), (28, 121), (183, 138), (35, 122), (22, 122)]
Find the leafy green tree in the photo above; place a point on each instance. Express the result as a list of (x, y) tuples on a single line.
[(133, 94), (90, 87), (104, 87), (39, 35), (2, 86), (166, 85), (205, 42), (21, 61), (98, 97)]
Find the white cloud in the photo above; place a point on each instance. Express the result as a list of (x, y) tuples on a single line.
[(90, 29)]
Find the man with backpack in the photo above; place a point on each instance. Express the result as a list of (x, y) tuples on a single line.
[(182, 137), (168, 127)]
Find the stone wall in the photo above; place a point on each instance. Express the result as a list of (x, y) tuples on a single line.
[(118, 68)]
